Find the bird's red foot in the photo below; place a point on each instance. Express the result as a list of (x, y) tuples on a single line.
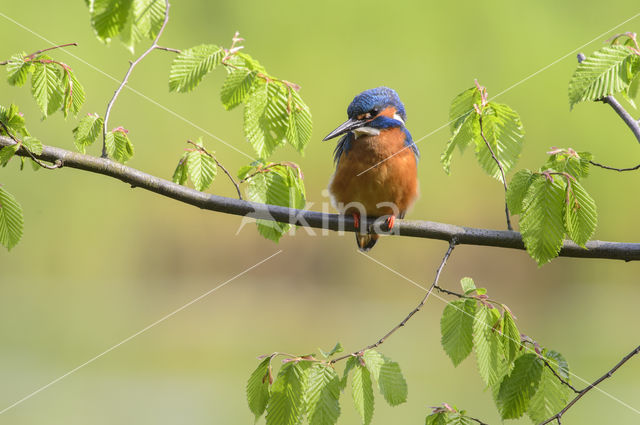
[(356, 221), (390, 221)]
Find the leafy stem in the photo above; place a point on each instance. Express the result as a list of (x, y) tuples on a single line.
[(206, 152), (37, 52), (132, 65)]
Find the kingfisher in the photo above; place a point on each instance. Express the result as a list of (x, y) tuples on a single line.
[(376, 162)]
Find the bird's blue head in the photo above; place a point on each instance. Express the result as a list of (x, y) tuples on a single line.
[(379, 107)]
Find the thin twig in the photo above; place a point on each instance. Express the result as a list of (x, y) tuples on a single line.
[(452, 245), (504, 179), (169, 49), (37, 52), (476, 420), (132, 65), (557, 417), (316, 219), (560, 378), (57, 163), (606, 167), (202, 149)]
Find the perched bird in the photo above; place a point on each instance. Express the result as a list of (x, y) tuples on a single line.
[(376, 162)]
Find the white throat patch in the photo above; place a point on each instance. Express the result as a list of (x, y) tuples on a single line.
[(366, 131)]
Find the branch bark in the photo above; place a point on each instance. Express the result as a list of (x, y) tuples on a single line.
[(421, 229)]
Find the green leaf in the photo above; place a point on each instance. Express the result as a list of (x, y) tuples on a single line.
[(601, 74), (180, 174), (518, 189), (568, 161), (277, 185), (119, 147), (552, 395), (510, 337), (323, 392), (286, 405), (46, 87), (468, 285), (519, 387), (18, 69), (335, 350), (144, 20), (13, 119), (542, 221), (580, 215), (235, 89), (439, 418), (202, 169), (463, 135), (486, 344), (456, 327), (7, 152), (191, 65), (87, 131), (73, 94), (462, 107), (266, 117), (388, 376), (258, 388), (362, 392), (504, 133), (32, 144), (108, 17), (11, 219), (299, 124)]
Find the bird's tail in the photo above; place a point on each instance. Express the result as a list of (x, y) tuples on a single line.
[(366, 241)]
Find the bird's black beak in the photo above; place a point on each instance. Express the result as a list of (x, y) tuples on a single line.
[(348, 125)]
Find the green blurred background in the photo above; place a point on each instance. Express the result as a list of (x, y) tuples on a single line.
[(100, 261)]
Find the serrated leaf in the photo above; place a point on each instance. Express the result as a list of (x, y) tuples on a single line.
[(362, 392), (236, 87), (299, 123), (439, 418), (388, 376), (462, 136), (487, 346), (18, 70), (551, 395), (580, 215), (13, 120), (503, 130), (510, 337), (277, 185), (32, 144), (258, 388), (87, 131), (323, 392), (542, 221), (467, 284), (286, 404), (266, 117), (462, 107), (202, 169), (73, 94), (11, 219), (46, 87), (119, 147), (599, 75), (191, 65), (144, 20), (181, 174), (519, 387), (518, 189), (108, 17), (6, 153), (335, 350), (456, 326)]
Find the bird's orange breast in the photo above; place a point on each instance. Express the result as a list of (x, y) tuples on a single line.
[(393, 180)]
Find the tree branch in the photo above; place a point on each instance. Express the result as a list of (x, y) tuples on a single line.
[(581, 393), (313, 219), (606, 167), (132, 65), (404, 321)]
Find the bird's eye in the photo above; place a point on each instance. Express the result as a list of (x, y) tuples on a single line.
[(374, 112)]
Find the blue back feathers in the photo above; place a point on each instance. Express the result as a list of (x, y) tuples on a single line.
[(375, 99)]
